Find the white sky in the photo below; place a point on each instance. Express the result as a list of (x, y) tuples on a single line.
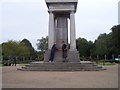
[(28, 19)]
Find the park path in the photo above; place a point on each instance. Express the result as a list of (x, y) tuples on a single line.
[(13, 78)]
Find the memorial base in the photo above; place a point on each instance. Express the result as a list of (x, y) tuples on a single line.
[(73, 63), (72, 56)]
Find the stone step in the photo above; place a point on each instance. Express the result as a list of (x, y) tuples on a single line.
[(61, 67), (65, 65), (33, 69), (36, 66)]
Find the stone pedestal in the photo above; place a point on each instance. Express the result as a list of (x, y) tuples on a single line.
[(72, 56), (57, 58), (47, 55)]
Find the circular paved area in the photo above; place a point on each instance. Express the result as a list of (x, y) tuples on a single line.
[(13, 78)]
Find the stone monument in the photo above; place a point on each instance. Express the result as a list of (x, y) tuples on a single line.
[(59, 13)]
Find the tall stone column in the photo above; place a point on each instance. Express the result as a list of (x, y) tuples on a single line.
[(55, 30), (72, 31), (51, 30)]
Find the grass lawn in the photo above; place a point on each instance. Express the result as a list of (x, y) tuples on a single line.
[(22, 65), (106, 64), (1, 65)]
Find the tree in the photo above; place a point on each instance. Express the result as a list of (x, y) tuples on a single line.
[(13, 48), (42, 44), (84, 47), (29, 46), (111, 49), (105, 45), (23, 51), (10, 48), (101, 45), (116, 38)]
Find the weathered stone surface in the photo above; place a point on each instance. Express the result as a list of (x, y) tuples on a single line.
[(57, 59), (47, 55), (51, 30), (73, 56), (61, 31), (62, 5), (59, 1), (61, 11), (62, 67)]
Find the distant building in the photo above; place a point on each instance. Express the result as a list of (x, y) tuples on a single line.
[(119, 12)]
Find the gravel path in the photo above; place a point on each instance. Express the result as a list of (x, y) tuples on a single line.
[(13, 78)]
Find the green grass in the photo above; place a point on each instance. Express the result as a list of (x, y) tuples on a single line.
[(106, 64), (22, 65), (1, 65)]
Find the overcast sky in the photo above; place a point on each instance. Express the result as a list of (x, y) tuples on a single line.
[(28, 19)]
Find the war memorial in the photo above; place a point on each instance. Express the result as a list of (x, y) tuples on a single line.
[(60, 11), (70, 75)]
